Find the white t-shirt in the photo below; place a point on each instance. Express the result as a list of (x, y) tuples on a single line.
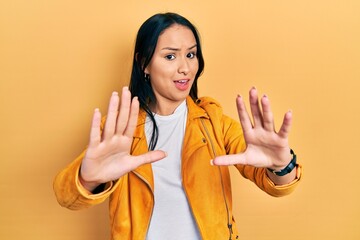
[(172, 217)]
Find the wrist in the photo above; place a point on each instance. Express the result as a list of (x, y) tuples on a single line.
[(89, 186), (286, 170)]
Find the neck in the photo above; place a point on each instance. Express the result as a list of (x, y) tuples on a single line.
[(164, 108)]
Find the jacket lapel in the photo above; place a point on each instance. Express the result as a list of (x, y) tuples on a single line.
[(139, 147), (194, 137)]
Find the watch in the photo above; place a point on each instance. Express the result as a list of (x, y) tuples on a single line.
[(288, 168)]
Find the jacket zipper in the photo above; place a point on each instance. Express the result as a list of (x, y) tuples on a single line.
[(152, 207), (229, 225)]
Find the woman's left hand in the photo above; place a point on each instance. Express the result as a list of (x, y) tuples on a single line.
[(265, 147)]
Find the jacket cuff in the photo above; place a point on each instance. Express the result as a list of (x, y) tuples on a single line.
[(89, 195), (71, 194), (282, 190)]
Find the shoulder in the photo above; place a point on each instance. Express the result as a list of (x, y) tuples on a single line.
[(210, 105), (225, 128), (209, 108), (215, 112)]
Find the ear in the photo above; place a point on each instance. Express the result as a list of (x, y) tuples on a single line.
[(146, 71)]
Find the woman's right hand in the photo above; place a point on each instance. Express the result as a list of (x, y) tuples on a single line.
[(108, 155)]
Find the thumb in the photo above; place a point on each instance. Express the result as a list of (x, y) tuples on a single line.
[(150, 157), (227, 160)]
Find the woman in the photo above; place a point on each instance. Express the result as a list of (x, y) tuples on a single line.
[(162, 155)]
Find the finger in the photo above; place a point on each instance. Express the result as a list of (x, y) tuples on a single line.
[(124, 111), (95, 135), (255, 107), (268, 119), (243, 115), (227, 160), (109, 129), (134, 113), (148, 157), (286, 125)]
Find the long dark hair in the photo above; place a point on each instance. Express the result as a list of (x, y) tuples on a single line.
[(145, 45)]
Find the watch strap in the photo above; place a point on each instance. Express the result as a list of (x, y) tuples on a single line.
[(288, 168)]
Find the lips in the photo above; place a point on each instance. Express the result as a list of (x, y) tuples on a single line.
[(182, 84), (181, 81)]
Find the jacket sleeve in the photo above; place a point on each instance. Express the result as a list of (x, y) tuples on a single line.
[(235, 143), (71, 194)]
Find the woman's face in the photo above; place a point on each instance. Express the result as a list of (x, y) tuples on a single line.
[(173, 68)]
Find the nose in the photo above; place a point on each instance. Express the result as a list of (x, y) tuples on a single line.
[(184, 66)]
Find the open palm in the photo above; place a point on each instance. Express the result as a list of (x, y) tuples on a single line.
[(108, 155), (265, 146)]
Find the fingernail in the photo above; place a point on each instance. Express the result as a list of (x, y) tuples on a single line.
[(265, 96), (212, 162), (114, 93), (253, 89), (125, 88)]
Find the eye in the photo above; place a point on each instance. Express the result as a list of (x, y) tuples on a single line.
[(191, 55), (170, 57)]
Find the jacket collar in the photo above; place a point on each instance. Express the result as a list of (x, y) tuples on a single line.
[(194, 111)]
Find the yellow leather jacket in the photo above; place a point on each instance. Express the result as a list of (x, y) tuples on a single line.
[(208, 190)]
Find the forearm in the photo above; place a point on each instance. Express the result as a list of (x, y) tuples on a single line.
[(260, 177), (71, 194), (282, 180)]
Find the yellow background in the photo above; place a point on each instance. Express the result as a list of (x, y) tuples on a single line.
[(60, 59)]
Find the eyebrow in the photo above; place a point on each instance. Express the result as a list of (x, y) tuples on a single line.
[(177, 49)]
